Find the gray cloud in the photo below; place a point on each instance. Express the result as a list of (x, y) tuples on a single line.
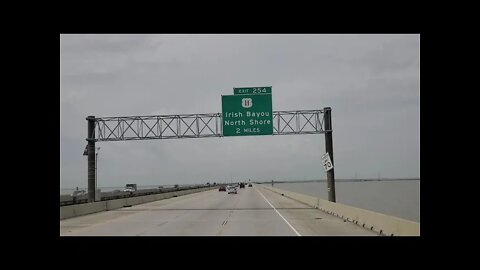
[(370, 81)]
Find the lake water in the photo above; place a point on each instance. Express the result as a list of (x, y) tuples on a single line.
[(396, 198)]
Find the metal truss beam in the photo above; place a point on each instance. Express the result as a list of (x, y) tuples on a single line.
[(182, 126)]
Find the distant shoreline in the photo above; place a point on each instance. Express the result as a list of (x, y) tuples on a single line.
[(285, 181), (347, 180)]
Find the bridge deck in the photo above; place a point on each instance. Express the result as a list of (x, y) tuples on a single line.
[(254, 211)]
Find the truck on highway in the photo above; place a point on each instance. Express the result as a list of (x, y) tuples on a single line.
[(130, 187)]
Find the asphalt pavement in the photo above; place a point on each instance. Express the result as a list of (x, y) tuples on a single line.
[(254, 211)]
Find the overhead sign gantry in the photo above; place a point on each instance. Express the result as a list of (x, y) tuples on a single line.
[(246, 113)]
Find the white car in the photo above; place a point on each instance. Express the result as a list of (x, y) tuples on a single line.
[(231, 189), (129, 189), (76, 193)]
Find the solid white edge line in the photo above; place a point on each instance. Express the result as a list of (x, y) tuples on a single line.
[(278, 213)]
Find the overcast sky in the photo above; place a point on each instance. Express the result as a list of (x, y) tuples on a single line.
[(371, 82)]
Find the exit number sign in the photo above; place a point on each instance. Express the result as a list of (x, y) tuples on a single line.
[(252, 90)]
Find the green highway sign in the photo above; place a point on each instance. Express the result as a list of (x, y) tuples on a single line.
[(252, 90), (247, 115)]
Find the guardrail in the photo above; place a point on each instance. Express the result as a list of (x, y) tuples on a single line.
[(378, 222)]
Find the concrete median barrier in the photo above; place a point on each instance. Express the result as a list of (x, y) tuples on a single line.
[(70, 211)]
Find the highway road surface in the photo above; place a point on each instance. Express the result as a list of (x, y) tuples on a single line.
[(254, 211)]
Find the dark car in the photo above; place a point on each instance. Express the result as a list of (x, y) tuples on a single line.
[(242, 185), (249, 185), (222, 188)]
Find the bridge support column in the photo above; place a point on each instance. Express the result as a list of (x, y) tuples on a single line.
[(329, 149), (91, 158)]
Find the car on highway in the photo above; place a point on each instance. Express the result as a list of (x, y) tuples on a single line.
[(130, 188), (231, 190), (222, 188), (249, 185), (242, 185), (76, 193)]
